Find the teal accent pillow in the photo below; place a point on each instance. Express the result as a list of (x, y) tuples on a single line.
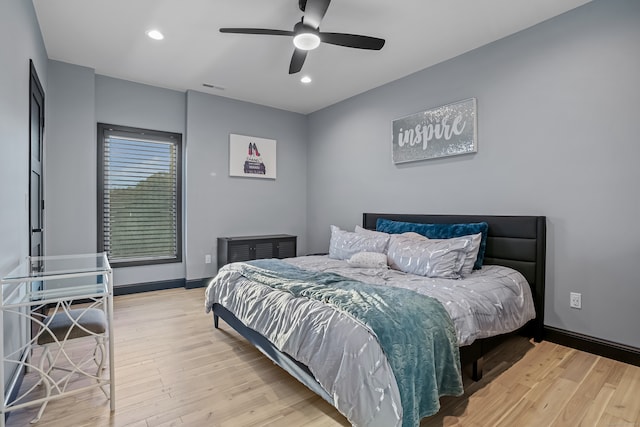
[(439, 231)]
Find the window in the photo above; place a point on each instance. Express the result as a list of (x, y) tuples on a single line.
[(139, 195)]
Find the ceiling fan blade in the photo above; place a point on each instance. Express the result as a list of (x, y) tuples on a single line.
[(257, 31), (297, 60), (314, 12), (352, 40)]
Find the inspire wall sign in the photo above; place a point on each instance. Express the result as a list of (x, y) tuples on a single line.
[(445, 131)]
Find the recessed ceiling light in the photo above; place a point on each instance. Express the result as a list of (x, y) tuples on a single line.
[(155, 34), (305, 79)]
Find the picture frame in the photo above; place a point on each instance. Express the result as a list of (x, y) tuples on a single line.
[(444, 131), (252, 157)]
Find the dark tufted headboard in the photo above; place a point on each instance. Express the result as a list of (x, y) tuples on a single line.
[(518, 242)]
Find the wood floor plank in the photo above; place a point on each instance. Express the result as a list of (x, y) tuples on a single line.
[(583, 401), (625, 402), (578, 365), (174, 369), (595, 410)]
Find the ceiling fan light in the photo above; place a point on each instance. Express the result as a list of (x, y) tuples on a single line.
[(306, 41), (155, 34)]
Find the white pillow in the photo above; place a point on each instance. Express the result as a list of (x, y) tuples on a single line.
[(344, 244), (471, 251), (426, 257), (368, 260), (367, 232)]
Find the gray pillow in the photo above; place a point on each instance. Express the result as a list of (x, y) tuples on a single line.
[(368, 232), (471, 252), (344, 244), (425, 257)]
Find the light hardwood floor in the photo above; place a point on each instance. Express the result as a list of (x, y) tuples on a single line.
[(174, 369)]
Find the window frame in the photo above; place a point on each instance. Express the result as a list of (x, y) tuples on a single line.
[(103, 129)]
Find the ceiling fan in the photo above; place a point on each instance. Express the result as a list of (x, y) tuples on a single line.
[(307, 35)]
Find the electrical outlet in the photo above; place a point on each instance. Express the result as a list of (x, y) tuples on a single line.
[(207, 259), (575, 300)]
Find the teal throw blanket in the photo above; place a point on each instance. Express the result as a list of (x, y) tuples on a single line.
[(414, 330)]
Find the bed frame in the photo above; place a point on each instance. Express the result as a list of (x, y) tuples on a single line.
[(518, 242)]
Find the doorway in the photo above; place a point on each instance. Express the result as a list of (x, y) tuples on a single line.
[(36, 152)]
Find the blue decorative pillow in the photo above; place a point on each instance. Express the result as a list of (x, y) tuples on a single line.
[(439, 231)]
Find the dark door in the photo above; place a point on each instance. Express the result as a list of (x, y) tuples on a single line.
[(36, 133)]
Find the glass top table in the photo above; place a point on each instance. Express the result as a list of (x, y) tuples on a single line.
[(52, 277), (34, 267)]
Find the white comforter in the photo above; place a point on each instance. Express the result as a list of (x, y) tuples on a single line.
[(342, 353)]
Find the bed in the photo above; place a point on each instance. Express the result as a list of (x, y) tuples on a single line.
[(370, 387)]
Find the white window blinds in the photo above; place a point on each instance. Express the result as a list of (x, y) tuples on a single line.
[(140, 197)]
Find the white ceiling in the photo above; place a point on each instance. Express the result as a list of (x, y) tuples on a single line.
[(109, 36)]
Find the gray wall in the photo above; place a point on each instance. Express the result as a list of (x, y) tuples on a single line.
[(558, 108), (20, 40), (70, 177), (220, 205)]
